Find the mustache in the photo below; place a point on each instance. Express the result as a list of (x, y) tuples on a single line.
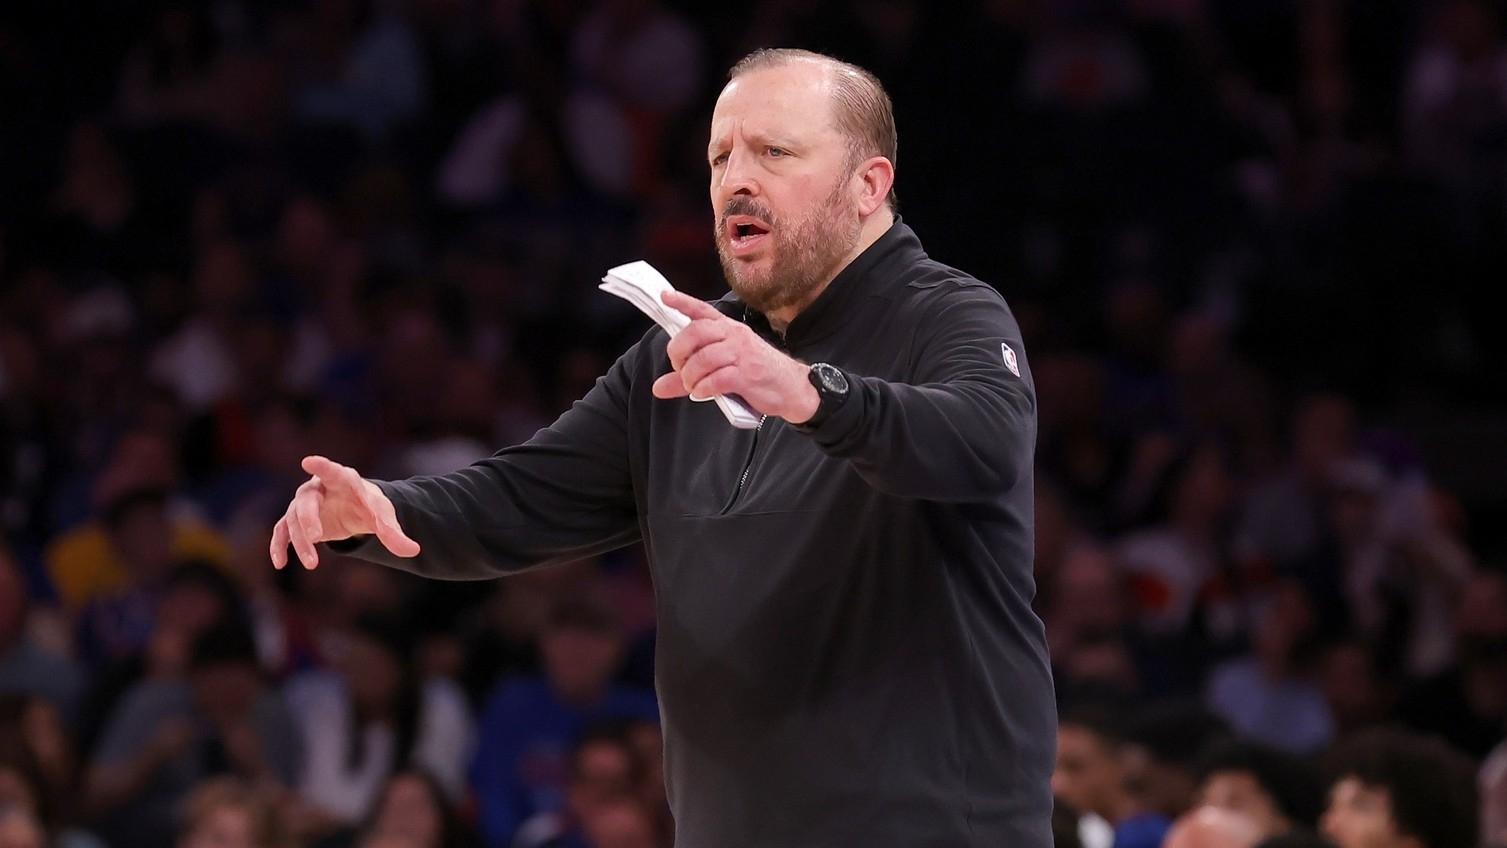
[(744, 205)]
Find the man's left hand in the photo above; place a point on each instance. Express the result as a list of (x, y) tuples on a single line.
[(715, 355)]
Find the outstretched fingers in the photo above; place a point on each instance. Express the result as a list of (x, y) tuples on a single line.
[(385, 519), (326, 469), (303, 533), (279, 545)]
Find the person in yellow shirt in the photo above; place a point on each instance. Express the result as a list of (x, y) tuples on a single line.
[(107, 572), (87, 562), (116, 550)]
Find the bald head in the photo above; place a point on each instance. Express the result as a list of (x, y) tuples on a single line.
[(861, 108), (796, 193)]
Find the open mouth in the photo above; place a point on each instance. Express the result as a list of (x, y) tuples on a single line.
[(744, 233)]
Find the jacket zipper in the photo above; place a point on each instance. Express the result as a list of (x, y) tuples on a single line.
[(747, 466), (753, 448)]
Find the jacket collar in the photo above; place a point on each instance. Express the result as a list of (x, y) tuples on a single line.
[(870, 273)]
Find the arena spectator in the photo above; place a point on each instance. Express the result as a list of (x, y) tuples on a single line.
[(1467, 703), (226, 812), (1269, 695), (370, 717), (1397, 789), (1278, 792), (604, 769), (27, 668), (529, 726), (167, 735), (1162, 742), (106, 572), (37, 771), (413, 806), (1091, 773), (1358, 690), (1282, 523)]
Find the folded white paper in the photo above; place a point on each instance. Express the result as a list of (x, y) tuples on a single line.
[(641, 284)]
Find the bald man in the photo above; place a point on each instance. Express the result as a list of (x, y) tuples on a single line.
[(846, 649)]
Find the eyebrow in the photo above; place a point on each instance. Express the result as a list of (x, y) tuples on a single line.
[(761, 139)]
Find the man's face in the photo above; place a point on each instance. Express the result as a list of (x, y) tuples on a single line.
[(782, 192), (1238, 791), (1360, 816), (1088, 775)]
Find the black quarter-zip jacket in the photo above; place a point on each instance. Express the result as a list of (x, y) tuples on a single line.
[(846, 651)]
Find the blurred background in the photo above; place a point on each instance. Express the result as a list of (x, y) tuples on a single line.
[(1252, 245)]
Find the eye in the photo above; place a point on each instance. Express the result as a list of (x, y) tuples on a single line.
[(777, 152), (719, 159)]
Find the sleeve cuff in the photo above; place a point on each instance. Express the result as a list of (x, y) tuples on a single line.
[(840, 427)]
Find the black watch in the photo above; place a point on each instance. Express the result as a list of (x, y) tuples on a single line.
[(831, 388)]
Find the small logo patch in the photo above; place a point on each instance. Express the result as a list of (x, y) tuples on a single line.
[(1010, 361)]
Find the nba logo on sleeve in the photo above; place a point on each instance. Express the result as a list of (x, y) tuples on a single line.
[(1010, 360)]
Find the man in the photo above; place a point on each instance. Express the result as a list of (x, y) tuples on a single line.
[(166, 736), (846, 649), (605, 771), (1161, 745), (1276, 791), (1094, 773), (528, 726), (1400, 790)]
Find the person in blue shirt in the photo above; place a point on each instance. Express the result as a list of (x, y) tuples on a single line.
[(530, 726)]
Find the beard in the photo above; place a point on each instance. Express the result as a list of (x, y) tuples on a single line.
[(805, 253)]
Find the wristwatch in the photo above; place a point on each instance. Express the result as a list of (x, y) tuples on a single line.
[(832, 390)]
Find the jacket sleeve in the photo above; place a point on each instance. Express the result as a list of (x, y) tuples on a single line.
[(565, 494), (965, 428)]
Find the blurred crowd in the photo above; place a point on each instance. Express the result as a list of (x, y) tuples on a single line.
[(1250, 244)]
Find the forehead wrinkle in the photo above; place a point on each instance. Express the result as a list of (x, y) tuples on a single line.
[(788, 100)]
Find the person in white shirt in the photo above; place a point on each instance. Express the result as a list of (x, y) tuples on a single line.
[(369, 717)]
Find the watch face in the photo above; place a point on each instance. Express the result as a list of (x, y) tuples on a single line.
[(832, 379)]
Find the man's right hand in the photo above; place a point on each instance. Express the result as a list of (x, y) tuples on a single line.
[(335, 503)]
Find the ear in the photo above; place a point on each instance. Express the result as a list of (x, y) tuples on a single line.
[(874, 177)]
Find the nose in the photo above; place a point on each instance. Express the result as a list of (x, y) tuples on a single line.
[(737, 176)]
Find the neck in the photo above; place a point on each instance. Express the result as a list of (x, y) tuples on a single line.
[(874, 226)]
